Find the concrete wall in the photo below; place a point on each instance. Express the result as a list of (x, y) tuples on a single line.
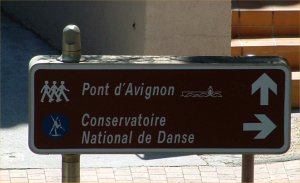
[(166, 27)]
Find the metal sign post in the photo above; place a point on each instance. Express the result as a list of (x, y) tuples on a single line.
[(247, 168), (70, 168), (71, 53)]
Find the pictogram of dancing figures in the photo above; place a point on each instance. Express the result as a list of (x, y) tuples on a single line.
[(54, 92)]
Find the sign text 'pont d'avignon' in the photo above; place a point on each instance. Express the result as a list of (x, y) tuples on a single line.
[(134, 108), (127, 89)]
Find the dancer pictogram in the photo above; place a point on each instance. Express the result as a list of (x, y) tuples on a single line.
[(56, 125)]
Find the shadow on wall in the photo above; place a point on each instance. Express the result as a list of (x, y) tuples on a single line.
[(120, 29), (18, 46), (106, 27)]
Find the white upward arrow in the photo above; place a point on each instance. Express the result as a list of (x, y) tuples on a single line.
[(264, 83), (266, 126)]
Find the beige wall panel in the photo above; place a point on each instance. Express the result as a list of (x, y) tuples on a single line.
[(199, 27)]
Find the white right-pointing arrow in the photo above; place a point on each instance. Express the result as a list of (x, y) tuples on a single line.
[(264, 83), (266, 126)]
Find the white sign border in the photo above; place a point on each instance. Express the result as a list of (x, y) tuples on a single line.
[(37, 64)]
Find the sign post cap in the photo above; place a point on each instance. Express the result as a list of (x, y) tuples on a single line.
[(71, 44)]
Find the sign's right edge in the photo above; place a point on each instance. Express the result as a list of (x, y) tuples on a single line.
[(287, 109)]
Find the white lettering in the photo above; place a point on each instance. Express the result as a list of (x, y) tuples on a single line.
[(83, 122), (117, 121), (85, 87), (177, 138), (104, 138), (147, 91), (101, 90)]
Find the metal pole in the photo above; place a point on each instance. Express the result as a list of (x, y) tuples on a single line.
[(248, 162), (71, 53), (70, 168), (247, 168)]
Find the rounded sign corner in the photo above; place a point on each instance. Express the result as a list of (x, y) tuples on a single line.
[(39, 60), (33, 67), (286, 69), (284, 148), (283, 60), (33, 148), (35, 60)]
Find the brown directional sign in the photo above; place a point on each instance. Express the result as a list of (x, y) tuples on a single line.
[(115, 104)]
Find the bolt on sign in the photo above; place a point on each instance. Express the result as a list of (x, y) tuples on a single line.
[(143, 104)]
